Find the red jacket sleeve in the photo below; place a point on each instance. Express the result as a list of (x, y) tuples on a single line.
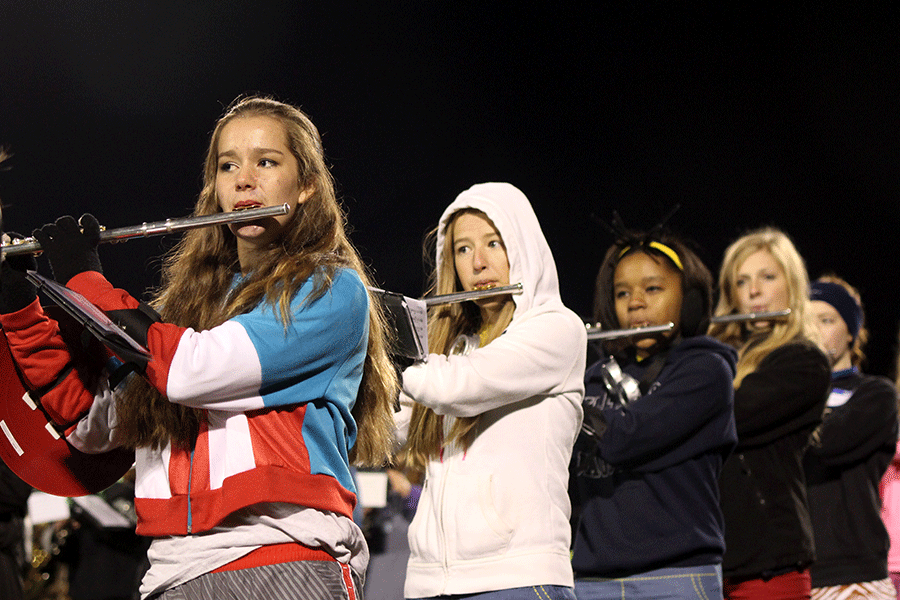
[(44, 360), (162, 338)]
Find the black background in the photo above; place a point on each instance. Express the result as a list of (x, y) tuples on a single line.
[(744, 116)]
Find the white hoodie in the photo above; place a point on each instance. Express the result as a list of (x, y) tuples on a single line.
[(497, 516)]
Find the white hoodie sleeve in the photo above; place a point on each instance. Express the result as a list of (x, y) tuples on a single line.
[(541, 354)]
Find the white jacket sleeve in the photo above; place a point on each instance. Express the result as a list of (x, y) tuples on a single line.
[(542, 353)]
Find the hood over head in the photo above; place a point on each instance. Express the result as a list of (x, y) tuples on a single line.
[(530, 259)]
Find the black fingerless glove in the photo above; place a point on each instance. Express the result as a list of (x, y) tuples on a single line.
[(16, 292), (70, 246)]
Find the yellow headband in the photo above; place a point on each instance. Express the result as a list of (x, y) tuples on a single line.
[(662, 248)]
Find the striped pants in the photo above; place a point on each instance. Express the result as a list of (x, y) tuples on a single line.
[(882, 589), (300, 580)]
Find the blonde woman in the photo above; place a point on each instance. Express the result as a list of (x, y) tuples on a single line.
[(493, 429), (268, 376), (780, 391)]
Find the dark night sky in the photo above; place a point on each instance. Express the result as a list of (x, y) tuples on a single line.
[(745, 117)]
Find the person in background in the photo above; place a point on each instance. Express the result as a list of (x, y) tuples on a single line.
[(105, 563), (14, 492), (14, 495), (386, 530), (647, 522), (849, 454), (781, 387), (889, 490)]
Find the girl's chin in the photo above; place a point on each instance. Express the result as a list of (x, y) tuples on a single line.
[(247, 230), (647, 343), (252, 233), (497, 300)]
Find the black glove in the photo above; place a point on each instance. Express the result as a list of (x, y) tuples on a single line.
[(593, 427), (16, 292), (70, 247)]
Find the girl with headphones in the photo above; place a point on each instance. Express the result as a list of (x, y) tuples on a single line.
[(645, 469)]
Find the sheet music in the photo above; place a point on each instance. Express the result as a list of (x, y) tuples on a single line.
[(409, 318), (90, 316), (45, 508), (418, 314), (104, 514)]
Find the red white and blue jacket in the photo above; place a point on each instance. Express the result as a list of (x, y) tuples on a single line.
[(277, 401)]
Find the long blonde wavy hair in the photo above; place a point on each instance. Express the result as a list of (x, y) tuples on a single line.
[(445, 323), (197, 280), (754, 346)]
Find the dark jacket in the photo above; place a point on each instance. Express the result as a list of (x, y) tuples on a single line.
[(776, 408), (14, 494), (844, 465), (648, 496)]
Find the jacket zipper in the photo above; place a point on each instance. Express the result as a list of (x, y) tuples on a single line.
[(442, 535), (190, 516)]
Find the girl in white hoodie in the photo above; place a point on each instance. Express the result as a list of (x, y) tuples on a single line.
[(493, 428)]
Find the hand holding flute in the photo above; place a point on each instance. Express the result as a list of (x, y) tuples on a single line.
[(71, 246)]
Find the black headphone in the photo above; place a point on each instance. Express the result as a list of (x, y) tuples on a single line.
[(695, 312)]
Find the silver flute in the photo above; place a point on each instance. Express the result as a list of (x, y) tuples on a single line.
[(30, 245), (757, 316), (596, 333), (515, 288)]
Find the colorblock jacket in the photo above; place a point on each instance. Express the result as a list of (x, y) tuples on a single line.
[(276, 399)]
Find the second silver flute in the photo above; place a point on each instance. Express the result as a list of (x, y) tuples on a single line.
[(32, 246), (455, 297), (596, 333)]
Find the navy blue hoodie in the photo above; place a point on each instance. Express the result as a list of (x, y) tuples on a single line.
[(646, 495)]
